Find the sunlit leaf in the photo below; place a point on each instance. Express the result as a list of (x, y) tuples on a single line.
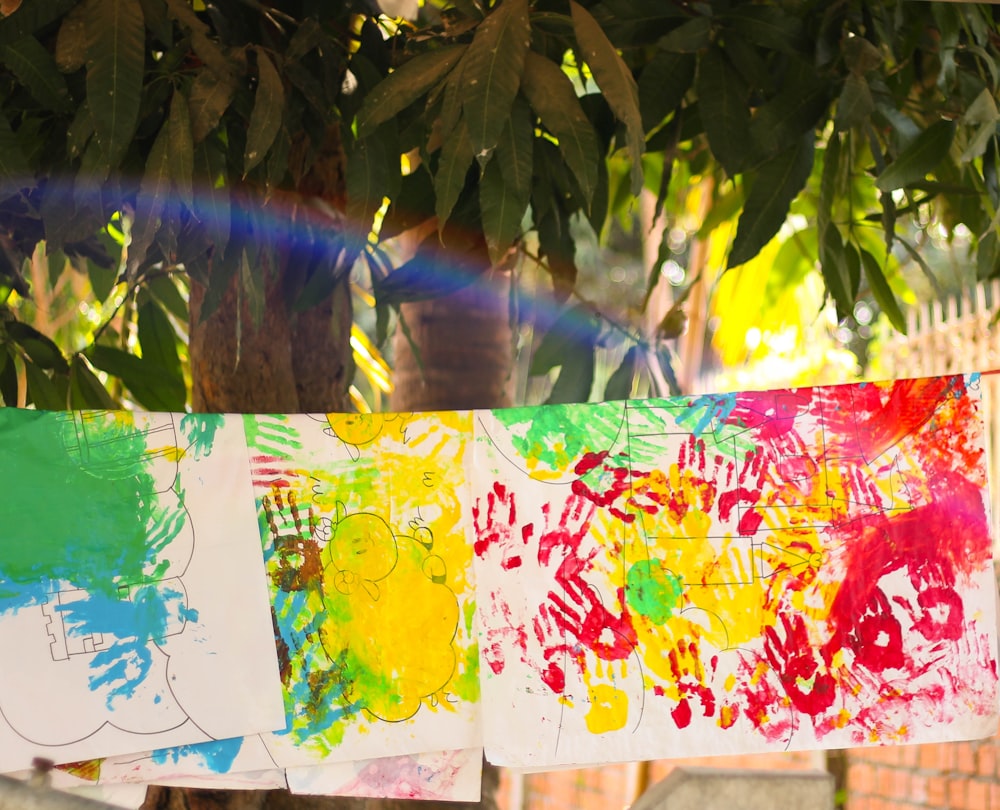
[(551, 95), (144, 380), (405, 85), (882, 292), (616, 82), (268, 110), (777, 183), (85, 390), (35, 68), (158, 340), (115, 67), (43, 391), (491, 73), (372, 174), (928, 149)]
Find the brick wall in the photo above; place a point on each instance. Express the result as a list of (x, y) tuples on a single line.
[(952, 776)]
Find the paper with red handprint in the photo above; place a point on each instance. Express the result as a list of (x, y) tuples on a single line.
[(735, 573)]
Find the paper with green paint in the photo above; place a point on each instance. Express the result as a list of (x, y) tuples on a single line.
[(133, 607)]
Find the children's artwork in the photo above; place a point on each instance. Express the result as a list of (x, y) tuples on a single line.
[(363, 521), (735, 573), (132, 593), (449, 776)]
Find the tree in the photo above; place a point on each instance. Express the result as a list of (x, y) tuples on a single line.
[(227, 163)]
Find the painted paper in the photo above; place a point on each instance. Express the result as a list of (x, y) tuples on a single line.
[(735, 573), (448, 776), (363, 522), (131, 586)]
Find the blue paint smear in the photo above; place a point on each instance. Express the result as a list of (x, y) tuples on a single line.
[(703, 410), (218, 756)]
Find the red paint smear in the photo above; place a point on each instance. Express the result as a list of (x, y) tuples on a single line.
[(511, 562), (589, 461), (554, 678), (943, 616), (496, 528), (681, 714)]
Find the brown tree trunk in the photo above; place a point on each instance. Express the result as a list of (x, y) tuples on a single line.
[(465, 346)]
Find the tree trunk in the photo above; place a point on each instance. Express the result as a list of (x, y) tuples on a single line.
[(465, 348)]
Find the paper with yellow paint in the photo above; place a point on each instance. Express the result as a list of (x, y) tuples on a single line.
[(364, 523), (735, 573)]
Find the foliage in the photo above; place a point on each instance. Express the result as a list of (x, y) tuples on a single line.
[(205, 132)]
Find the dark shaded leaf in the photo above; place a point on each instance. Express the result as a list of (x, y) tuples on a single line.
[(828, 182), (616, 82), (855, 105), (31, 17), (405, 85), (151, 199), (928, 149), (115, 67), (833, 264), (502, 210), (80, 131), (770, 27), (620, 382), (41, 349), (207, 50), (35, 68), (574, 330), (8, 380), (723, 104), (212, 204), (688, 37), (576, 377), (882, 292), (14, 171), (663, 84), (181, 149), (372, 174), (43, 391), (211, 94), (775, 186), (158, 340), (453, 167), (491, 73), (551, 95), (268, 110), (860, 55), (797, 109)]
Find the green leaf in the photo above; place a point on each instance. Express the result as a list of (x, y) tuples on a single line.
[(144, 380), (882, 292), (158, 340), (212, 204), (181, 149), (620, 382), (833, 263), (154, 189), (855, 105), (405, 85), (688, 37), (575, 327), (268, 110), (576, 377), (42, 390), (79, 132), (8, 380), (85, 390), (723, 103), (211, 95), (14, 171), (505, 187), (852, 261), (164, 288), (502, 210), (663, 84), (34, 66), (372, 174), (207, 50), (115, 67), (775, 186), (551, 95), (616, 82), (41, 349), (797, 109), (928, 149), (768, 26), (31, 17), (252, 285), (453, 167), (492, 71), (828, 182)]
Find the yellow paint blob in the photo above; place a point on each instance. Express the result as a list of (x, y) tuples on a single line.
[(608, 708)]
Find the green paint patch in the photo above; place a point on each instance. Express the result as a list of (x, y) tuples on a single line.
[(199, 429), (653, 591)]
